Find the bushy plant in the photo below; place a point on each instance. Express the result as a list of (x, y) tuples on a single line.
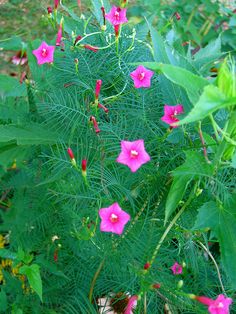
[(118, 171)]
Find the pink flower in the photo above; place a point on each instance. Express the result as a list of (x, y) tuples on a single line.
[(44, 53), (218, 306), (20, 58), (142, 77), (177, 269), (133, 154), (170, 113), (131, 304), (117, 16), (113, 218)]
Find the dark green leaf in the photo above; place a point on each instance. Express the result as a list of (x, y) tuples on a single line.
[(192, 83), (32, 273), (211, 100)]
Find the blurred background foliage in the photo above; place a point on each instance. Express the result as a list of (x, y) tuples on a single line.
[(200, 22)]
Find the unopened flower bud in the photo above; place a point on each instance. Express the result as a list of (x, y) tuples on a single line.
[(146, 266), (95, 125), (156, 286), (56, 3), (103, 108), (49, 9), (103, 28), (92, 48), (55, 255), (180, 284), (77, 39), (71, 155), (177, 15), (84, 167), (59, 34), (98, 88), (117, 29)]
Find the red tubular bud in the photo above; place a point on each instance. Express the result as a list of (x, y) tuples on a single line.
[(79, 4), (146, 266), (77, 39), (55, 256), (156, 286), (94, 49), (103, 15), (22, 77), (177, 15), (70, 153), (117, 29), (84, 165), (59, 35), (49, 10), (95, 125), (98, 88), (103, 107), (56, 3)]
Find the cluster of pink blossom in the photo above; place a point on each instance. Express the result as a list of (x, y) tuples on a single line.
[(133, 154)]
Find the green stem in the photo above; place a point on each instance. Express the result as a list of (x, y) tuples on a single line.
[(214, 127), (191, 196), (95, 279)]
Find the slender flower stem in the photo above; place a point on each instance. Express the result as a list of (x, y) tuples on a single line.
[(216, 266), (191, 196), (95, 279), (214, 127), (203, 143)]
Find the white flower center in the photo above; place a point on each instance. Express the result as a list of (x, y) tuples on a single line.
[(44, 52), (220, 305), (141, 76), (114, 218), (117, 15), (133, 154)]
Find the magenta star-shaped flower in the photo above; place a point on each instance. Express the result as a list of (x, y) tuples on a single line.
[(133, 154), (113, 218), (177, 269), (44, 53), (142, 77), (218, 306), (132, 303), (170, 113), (116, 16)]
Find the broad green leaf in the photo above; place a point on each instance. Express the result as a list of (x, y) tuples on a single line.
[(11, 153), (10, 86), (24, 256), (176, 194), (30, 135), (204, 58), (226, 79), (206, 216), (194, 167), (222, 221), (3, 301), (192, 83), (6, 254), (32, 273), (211, 100)]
